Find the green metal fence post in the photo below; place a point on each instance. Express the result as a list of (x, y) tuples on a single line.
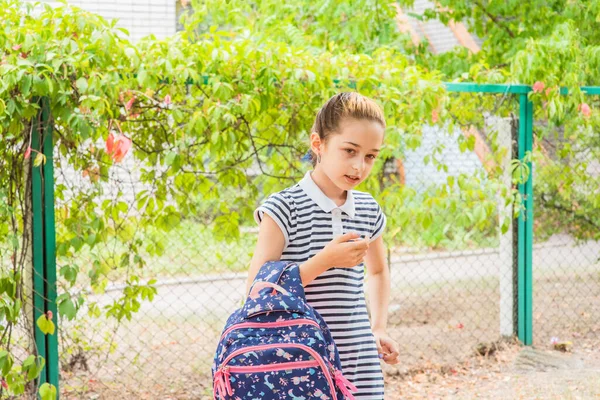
[(44, 244), (525, 240), (52, 362), (529, 231), (39, 300)]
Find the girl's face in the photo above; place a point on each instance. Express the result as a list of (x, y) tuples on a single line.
[(349, 154)]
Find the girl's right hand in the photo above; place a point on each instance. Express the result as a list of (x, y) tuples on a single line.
[(345, 251)]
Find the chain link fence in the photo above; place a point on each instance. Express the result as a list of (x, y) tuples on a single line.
[(15, 254), (452, 267), (566, 263)]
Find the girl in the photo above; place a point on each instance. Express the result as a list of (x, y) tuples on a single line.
[(318, 223)]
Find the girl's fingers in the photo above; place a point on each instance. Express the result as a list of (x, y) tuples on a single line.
[(391, 352), (360, 244), (391, 359)]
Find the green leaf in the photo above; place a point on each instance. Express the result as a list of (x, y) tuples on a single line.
[(45, 325), (39, 160), (6, 362), (170, 157), (427, 220), (67, 308), (82, 84), (47, 391), (505, 225), (32, 366), (69, 273), (142, 77), (26, 85), (29, 361)]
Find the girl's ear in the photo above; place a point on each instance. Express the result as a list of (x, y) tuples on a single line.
[(315, 142)]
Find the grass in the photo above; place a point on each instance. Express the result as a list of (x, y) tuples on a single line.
[(189, 250)]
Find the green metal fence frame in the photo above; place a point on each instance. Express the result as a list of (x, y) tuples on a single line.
[(525, 222), (44, 239), (44, 243)]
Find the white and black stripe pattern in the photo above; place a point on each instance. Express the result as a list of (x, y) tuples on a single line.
[(338, 293)]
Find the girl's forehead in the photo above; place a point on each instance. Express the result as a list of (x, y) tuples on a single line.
[(360, 131)]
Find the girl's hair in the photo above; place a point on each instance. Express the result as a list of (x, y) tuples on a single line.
[(344, 105)]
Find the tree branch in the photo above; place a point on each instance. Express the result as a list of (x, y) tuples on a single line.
[(573, 213), (495, 19)]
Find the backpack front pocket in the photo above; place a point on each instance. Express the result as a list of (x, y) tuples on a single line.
[(308, 379), (294, 380)]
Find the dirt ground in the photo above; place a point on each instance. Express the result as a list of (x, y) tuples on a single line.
[(506, 371), (512, 372)]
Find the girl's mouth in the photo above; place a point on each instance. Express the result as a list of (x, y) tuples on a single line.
[(351, 179)]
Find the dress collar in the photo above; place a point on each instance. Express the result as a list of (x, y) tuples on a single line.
[(325, 203)]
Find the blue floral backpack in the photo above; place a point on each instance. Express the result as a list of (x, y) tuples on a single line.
[(277, 346)]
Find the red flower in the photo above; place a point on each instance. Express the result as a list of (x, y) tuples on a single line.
[(49, 315), (117, 146), (110, 140), (168, 99), (538, 87), (129, 104), (585, 110), (435, 116), (28, 153)]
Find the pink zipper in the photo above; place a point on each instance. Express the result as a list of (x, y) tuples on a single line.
[(313, 353), (301, 321), (274, 367)]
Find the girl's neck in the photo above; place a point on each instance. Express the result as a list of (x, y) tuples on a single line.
[(328, 187)]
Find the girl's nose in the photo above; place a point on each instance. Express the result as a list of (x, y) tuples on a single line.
[(359, 165)]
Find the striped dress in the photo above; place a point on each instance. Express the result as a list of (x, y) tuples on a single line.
[(309, 220)]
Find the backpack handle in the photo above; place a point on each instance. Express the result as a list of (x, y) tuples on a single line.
[(283, 273), (260, 285)]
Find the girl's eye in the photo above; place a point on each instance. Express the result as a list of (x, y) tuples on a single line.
[(371, 156), (350, 151)]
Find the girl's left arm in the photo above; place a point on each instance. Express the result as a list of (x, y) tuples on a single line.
[(378, 280)]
